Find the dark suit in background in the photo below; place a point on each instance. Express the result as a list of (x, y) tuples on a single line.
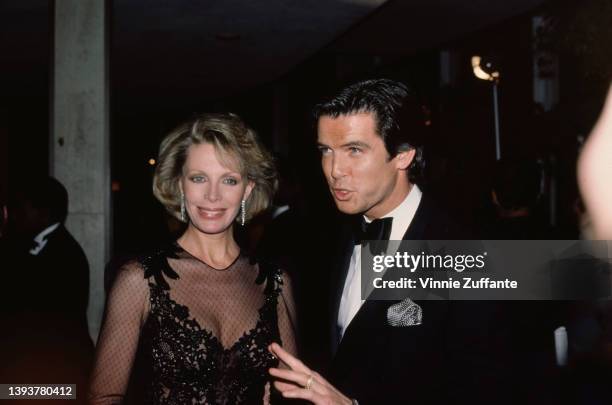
[(49, 339), (45, 336)]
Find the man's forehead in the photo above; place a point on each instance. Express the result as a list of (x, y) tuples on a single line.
[(343, 128)]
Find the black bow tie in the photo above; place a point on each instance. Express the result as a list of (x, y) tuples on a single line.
[(379, 229)]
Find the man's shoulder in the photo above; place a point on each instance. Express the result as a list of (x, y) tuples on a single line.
[(433, 220), (63, 246)]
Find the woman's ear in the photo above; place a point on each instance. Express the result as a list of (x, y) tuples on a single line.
[(403, 159), (249, 188)]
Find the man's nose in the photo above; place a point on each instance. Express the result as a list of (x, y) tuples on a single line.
[(338, 168)]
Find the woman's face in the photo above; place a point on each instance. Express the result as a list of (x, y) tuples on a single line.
[(213, 190)]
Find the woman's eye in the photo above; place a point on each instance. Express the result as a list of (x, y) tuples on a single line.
[(197, 179), (231, 181)]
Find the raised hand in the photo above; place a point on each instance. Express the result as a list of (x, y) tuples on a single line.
[(300, 382)]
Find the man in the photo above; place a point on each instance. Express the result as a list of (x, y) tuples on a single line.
[(49, 288), (370, 136), (59, 269)]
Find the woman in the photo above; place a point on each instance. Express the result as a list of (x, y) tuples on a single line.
[(196, 316)]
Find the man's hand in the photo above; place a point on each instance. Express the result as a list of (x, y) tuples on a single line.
[(300, 382)]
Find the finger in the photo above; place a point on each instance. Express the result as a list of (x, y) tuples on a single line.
[(289, 375), (294, 380), (308, 395), (284, 386), (293, 362)]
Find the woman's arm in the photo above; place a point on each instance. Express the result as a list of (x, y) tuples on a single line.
[(126, 311), (595, 173), (287, 325)]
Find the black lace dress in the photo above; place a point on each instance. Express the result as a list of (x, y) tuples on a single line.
[(179, 331)]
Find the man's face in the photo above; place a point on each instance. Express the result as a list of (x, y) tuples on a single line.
[(361, 176), (24, 218)]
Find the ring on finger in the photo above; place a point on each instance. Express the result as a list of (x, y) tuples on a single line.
[(309, 382)]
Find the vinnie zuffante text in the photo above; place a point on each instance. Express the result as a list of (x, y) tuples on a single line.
[(436, 262)]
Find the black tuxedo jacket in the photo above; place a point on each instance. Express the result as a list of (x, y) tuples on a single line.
[(47, 337), (60, 277), (446, 359)]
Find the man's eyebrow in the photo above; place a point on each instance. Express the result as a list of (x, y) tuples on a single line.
[(352, 144)]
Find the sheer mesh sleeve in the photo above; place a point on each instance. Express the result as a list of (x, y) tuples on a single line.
[(126, 310), (286, 316), (287, 329)]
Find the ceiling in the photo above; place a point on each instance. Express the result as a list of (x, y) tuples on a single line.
[(221, 46)]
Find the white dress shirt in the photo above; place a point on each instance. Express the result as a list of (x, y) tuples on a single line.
[(351, 301), (41, 239)]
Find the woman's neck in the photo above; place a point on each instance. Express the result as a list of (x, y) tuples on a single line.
[(219, 250)]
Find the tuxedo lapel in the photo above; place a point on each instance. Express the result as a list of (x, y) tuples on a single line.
[(365, 330), (341, 267)]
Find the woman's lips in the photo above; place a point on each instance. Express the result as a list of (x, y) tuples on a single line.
[(211, 213), (341, 194)]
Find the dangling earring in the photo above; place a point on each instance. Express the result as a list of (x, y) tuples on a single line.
[(183, 210), (242, 212)]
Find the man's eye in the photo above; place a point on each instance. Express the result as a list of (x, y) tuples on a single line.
[(324, 150), (197, 179), (354, 149), (231, 181)]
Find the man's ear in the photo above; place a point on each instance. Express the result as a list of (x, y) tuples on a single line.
[(403, 159)]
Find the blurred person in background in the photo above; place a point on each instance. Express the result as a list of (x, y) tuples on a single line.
[(595, 173), (47, 282)]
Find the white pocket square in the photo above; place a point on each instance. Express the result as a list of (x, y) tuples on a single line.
[(404, 313)]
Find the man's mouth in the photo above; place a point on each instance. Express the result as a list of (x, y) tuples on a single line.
[(341, 194)]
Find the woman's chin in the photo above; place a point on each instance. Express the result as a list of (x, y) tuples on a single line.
[(212, 227)]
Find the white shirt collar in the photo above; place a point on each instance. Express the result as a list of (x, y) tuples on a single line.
[(41, 236), (279, 210), (41, 240), (403, 214)]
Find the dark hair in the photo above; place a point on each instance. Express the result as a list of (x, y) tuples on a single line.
[(47, 195), (398, 114)]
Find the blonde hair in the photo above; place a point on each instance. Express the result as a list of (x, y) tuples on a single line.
[(234, 141)]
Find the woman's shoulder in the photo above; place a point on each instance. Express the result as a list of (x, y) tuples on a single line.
[(152, 264), (274, 277), (125, 276)]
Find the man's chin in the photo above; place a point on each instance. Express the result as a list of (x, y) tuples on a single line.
[(346, 207)]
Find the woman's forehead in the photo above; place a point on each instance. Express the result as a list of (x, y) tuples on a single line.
[(208, 155)]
